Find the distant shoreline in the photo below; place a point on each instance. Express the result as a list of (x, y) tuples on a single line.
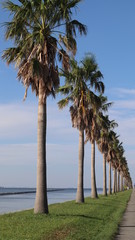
[(14, 193), (26, 192), (34, 191)]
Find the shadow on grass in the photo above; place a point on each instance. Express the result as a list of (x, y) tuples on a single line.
[(114, 203), (78, 215), (105, 204)]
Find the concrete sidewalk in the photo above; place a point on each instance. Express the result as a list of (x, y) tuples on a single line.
[(127, 226)]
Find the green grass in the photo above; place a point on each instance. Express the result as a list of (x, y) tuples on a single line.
[(96, 219)]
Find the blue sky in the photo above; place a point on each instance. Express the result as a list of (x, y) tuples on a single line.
[(111, 38)]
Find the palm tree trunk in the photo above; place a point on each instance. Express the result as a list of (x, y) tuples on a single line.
[(116, 190), (118, 181), (114, 180), (80, 190), (110, 179), (125, 184), (121, 187), (41, 203), (104, 176), (93, 175)]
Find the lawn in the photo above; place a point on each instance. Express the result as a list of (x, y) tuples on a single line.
[(96, 219)]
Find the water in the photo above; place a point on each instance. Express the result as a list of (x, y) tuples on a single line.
[(17, 202)]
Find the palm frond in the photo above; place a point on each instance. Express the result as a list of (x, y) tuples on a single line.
[(65, 90), (64, 58), (74, 25), (63, 103)]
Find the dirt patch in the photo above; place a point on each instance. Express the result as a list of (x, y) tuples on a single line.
[(60, 234)]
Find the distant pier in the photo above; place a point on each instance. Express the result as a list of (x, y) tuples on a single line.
[(31, 191)]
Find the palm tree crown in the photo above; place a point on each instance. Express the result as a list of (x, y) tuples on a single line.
[(42, 31), (79, 82)]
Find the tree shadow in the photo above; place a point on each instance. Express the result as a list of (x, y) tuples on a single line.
[(78, 215)]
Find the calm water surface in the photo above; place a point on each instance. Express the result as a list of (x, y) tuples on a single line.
[(17, 202)]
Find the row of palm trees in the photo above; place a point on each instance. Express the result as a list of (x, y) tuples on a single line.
[(43, 33), (88, 115)]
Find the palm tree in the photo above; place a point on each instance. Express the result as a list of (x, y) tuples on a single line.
[(118, 162), (120, 152), (78, 83), (103, 144), (110, 178), (121, 185), (108, 142), (120, 165), (121, 162), (114, 180), (126, 174), (41, 29), (122, 172), (111, 157), (93, 134)]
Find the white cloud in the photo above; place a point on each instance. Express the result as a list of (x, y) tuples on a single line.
[(125, 91), (127, 131), (125, 104), (121, 92)]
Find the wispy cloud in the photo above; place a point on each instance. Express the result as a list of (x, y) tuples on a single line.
[(124, 104), (123, 112), (18, 125), (121, 91), (17, 121), (18, 154), (127, 131), (18, 163), (125, 91)]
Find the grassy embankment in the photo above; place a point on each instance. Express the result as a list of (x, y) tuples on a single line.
[(97, 219)]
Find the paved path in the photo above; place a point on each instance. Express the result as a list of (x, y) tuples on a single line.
[(127, 226)]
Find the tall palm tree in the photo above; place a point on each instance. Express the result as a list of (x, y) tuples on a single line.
[(121, 162), (110, 179), (93, 134), (120, 165), (41, 29), (122, 172), (121, 181), (120, 152), (118, 162), (111, 157), (108, 142), (114, 180), (127, 177), (103, 144), (78, 83)]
